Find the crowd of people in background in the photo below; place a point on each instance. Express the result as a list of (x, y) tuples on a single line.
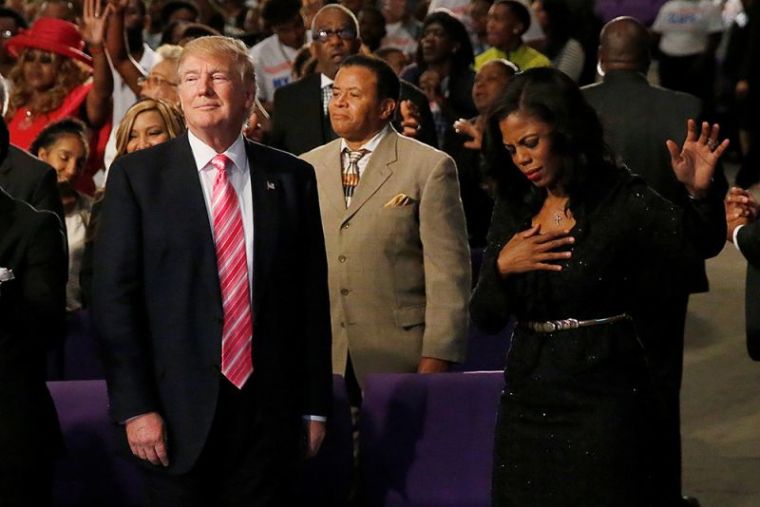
[(545, 108)]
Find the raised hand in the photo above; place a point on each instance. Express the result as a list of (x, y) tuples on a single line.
[(473, 130), (531, 251), (410, 118), (94, 22), (694, 163), (430, 83)]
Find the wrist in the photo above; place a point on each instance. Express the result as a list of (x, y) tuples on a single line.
[(96, 49)]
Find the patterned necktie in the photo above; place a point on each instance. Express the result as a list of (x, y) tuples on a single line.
[(237, 331), (326, 96), (351, 173)]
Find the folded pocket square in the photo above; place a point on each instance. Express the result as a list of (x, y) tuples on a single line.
[(398, 201)]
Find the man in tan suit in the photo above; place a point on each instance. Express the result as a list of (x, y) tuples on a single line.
[(398, 260)]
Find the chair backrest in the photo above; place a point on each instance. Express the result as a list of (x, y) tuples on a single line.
[(486, 352), (428, 439), (94, 472), (326, 479)]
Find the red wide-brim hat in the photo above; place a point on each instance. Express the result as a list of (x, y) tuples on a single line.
[(53, 35)]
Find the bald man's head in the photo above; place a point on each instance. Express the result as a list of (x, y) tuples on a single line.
[(624, 45)]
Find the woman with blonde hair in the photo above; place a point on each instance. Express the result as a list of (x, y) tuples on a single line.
[(147, 123)]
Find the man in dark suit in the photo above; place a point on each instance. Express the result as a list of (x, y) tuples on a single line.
[(301, 122), (29, 179), (210, 298), (742, 211), (32, 312), (638, 119)]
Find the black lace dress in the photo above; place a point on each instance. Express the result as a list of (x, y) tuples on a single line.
[(574, 425)]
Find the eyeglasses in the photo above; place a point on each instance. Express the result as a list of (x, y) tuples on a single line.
[(43, 57), (323, 34), (154, 81)]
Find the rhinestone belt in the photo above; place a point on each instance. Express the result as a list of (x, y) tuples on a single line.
[(564, 324)]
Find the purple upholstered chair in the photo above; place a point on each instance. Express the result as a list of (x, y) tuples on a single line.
[(427, 440), (91, 473), (326, 479), (485, 352)]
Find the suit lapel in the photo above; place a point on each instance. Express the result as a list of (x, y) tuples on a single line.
[(375, 174), (188, 205), (5, 168), (331, 182), (6, 215), (266, 189)]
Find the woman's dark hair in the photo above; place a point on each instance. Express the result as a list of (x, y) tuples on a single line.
[(462, 57), (576, 139), (560, 21), (65, 127)]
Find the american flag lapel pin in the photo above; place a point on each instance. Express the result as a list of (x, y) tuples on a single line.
[(270, 185)]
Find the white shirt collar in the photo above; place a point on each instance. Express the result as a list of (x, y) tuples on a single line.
[(372, 144), (203, 153), (325, 81)]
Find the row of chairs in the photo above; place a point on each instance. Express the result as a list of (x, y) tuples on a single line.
[(425, 440)]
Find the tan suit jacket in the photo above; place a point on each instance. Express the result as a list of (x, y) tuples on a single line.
[(398, 258)]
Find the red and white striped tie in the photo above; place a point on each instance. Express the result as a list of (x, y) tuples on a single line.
[(237, 331)]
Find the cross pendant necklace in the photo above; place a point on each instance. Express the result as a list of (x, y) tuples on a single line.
[(558, 218)]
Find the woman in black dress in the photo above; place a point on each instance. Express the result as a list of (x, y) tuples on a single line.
[(585, 257)]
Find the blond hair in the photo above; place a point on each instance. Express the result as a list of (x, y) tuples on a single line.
[(228, 48), (172, 117)]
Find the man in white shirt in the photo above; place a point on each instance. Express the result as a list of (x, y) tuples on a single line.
[(273, 57), (742, 211), (689, 33), (210, 299)]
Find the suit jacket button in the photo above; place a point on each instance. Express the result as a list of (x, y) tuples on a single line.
[(341, 258), (342, 324), (344, 292), (346, 225)]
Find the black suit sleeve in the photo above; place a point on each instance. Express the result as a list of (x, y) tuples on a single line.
[(277, 135), (748, 239), (705, 221), (44, 282), (318, 335), (46, 195), (490, 305), (117, 303)]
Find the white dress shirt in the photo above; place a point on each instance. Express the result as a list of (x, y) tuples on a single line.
[(370, 146), (240, 179)]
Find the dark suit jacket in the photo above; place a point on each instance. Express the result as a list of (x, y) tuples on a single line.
[(748, 239), (157, 303), (32, 317), (298, 124), (638, 118), (31, 180)]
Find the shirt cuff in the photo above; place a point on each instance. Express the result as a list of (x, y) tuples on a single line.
[(736, 232), (318, 418)]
